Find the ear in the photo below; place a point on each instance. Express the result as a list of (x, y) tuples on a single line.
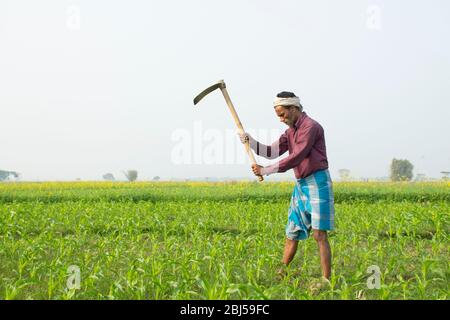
[(291, 108)]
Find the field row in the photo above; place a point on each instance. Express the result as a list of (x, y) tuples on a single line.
[(217, 250), (198, 191)]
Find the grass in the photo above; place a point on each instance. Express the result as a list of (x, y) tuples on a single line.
[(217, 241)]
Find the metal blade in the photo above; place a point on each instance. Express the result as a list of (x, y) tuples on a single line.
[(220, 84)]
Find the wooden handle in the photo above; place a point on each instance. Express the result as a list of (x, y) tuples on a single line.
[(240, 127)]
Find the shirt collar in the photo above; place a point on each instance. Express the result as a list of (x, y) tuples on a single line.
[(300, 120)]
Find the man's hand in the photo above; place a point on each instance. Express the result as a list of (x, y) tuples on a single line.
[(245, 137), (257, 169)]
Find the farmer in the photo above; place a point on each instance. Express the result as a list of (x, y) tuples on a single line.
[(312, 202)]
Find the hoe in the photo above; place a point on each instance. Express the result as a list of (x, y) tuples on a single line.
[(221, 85)]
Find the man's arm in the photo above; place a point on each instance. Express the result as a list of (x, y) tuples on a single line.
[(300, 151), (273, 151)]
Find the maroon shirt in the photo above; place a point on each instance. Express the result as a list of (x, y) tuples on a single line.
[(306, 145)]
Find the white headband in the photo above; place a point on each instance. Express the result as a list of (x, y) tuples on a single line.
[(295, 101)]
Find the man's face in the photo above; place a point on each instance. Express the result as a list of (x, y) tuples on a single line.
[(287, 115)]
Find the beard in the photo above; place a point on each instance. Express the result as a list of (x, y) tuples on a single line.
[(289, 123)]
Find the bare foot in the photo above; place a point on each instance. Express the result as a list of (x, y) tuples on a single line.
[(320, 285), (282, 272)]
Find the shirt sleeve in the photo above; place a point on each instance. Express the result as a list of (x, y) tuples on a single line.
[(273, 151), (301, 150)]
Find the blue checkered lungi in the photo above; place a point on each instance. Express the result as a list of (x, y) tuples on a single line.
[(312, 206)]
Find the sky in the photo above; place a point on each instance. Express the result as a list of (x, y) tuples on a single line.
[(98, 86)]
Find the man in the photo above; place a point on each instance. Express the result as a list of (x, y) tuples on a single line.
[(312, 202)]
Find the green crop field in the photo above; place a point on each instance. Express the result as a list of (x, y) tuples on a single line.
[(217, 241)]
